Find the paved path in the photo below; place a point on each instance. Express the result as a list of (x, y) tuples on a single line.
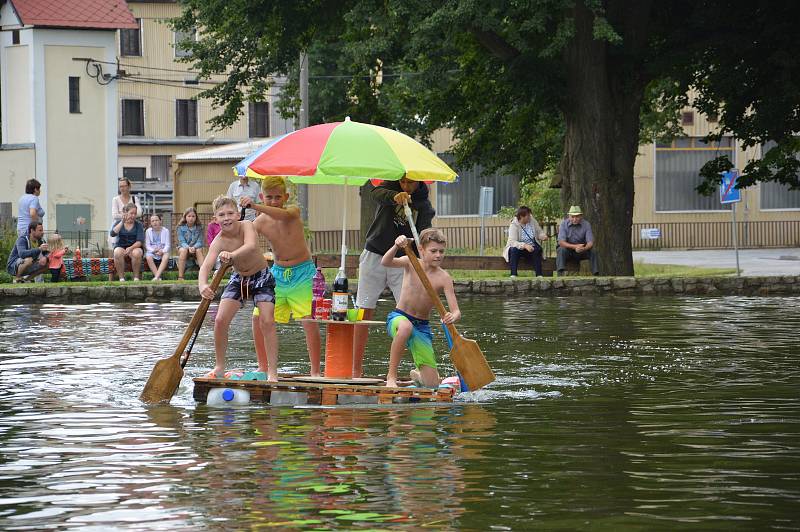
[(751, 261)]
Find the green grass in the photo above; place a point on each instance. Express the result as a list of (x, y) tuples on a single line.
[(640, 270)]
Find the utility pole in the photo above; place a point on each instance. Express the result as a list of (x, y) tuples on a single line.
[(301, 122)]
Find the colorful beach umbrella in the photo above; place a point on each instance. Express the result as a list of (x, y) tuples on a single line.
[(345, 153)]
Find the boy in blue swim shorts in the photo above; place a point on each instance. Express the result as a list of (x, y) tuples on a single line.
[(408, 323), (293, 269)]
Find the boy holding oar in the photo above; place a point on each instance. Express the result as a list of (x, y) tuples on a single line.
[(408, 323), (293, 268), (237, 244)]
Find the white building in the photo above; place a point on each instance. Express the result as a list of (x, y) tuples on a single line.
[(59, 111)]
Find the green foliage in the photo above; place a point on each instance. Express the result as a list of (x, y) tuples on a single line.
[(8, 237), (544, 201)]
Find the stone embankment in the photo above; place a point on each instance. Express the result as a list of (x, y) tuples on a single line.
[(714, 286)]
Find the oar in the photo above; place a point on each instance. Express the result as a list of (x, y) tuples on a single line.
[(466, 354), (168, 372)]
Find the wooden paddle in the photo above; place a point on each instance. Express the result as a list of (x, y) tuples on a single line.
[(466, 354), (168, 372)]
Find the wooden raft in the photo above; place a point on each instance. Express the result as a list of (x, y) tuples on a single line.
[(289, 391)]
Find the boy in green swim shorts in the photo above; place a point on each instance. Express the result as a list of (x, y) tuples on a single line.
[(408, 323), (292, 268)]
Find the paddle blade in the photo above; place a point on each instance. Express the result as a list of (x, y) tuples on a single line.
[(470, 363), (163, 381)]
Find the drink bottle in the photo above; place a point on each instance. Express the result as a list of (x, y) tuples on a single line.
[(340, 295), (318, 291)]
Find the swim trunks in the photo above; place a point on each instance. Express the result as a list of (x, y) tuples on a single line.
[(420, 343), (260, 287), (293, 292)]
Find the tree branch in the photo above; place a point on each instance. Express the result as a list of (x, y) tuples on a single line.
[(498, 46)]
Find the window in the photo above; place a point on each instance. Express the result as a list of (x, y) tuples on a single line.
[(14, 36), (687, 118), (678, 174), (132, 118), (74, 94), (134, 173), (186, 118), (184, 37), (258, 119), (130, 41), (777, 195), (159, 167), (462, 198)]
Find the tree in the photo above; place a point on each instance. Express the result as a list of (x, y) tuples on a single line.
[(570, 85)]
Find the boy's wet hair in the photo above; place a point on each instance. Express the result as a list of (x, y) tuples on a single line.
[(273, 181), (432, 234), (221, 201)]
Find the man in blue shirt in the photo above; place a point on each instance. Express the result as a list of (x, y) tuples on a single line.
[(575, 241), (29, 210), (28, 257)]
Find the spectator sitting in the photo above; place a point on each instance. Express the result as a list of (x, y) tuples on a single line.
[(525, 239), (157, 244), (575, 241), (28, 257), (56, 258), (211, 233), (190, 240), (117, 205), (130, 242), (29, 210)]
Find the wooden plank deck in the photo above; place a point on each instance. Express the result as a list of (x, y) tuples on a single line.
[(291, 391)]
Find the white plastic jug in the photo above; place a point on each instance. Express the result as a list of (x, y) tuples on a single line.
[(227, 397)]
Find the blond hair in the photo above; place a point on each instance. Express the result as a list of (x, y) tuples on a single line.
[(432, 234), (55, 243), (273, 181), (221, 201)]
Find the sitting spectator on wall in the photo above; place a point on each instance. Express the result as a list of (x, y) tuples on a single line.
[(575, 241), (117, 205), (28, 257), (29, 210), (525, 239), (157, 244), (130, 242), (211, 233), (190, 240)]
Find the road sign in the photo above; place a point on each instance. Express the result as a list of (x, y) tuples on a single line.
[(728, 193)]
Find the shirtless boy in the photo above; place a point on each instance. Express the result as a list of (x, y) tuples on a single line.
[(293, 269), (237, 244), (408, 323)]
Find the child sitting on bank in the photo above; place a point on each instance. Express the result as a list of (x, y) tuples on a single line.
[(293, 268), (56, 257), (157, 243), (408, 323), (237, 244)]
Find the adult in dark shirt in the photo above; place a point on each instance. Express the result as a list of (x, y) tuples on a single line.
[(130, 242), (575, 241), (389, 223), (28, 257)]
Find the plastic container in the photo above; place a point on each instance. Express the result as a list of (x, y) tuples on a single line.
[(227, 397)]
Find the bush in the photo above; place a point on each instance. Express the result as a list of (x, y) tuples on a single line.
[(545, 202), (8, 237)]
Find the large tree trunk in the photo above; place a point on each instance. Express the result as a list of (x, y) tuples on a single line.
[(601, 111)]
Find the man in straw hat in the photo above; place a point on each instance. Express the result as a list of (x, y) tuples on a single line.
[(575, 241)]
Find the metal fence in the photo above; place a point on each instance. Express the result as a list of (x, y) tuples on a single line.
[(466, 239)]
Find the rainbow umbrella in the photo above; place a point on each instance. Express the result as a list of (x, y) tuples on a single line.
[(346, 153)]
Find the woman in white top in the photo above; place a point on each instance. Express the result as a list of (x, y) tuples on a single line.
[(157, 244), (525, 239)]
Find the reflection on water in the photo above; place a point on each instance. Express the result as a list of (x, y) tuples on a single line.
[(607, 412)]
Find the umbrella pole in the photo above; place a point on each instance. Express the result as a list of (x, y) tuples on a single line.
[(344, 226)]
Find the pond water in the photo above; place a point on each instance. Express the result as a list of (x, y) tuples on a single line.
[(608, 412)]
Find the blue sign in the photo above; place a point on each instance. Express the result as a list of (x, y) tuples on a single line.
[(728, 193)]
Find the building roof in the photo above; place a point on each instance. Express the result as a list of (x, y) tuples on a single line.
[(82, 14), (230, 152)]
